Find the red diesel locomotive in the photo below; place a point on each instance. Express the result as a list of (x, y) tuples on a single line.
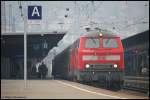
[(97, 56)]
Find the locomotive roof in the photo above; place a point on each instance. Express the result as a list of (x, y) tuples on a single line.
[(96, 33)]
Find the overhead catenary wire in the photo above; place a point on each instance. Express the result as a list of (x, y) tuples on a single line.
[(20, 7)]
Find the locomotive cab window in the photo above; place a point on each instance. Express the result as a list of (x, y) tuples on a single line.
[(92, 43), (110, 43)]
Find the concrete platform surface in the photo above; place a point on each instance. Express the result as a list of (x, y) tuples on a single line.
[(59, 89)]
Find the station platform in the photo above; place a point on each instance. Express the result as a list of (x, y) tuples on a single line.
[(60, 89)]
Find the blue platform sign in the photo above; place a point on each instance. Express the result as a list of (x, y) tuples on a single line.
[(34, 12)]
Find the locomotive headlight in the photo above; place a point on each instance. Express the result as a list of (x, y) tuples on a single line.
[(115, 65), (100, 34), (87, 65)]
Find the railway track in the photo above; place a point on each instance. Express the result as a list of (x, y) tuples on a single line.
[(140, 84), (136, 89), (131, 86)]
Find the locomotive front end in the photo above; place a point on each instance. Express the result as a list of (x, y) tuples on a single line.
[(101, 59)]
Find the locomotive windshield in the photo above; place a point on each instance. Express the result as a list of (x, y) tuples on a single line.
[(92, 43), (110, 43)]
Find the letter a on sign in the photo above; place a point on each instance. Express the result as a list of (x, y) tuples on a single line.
[(34, 12)]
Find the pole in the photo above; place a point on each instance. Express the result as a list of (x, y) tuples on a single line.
[(25, 55), (25, 43), (10, 18), (25, 49)]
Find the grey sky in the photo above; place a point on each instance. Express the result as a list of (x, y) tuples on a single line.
[(107, 13)]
